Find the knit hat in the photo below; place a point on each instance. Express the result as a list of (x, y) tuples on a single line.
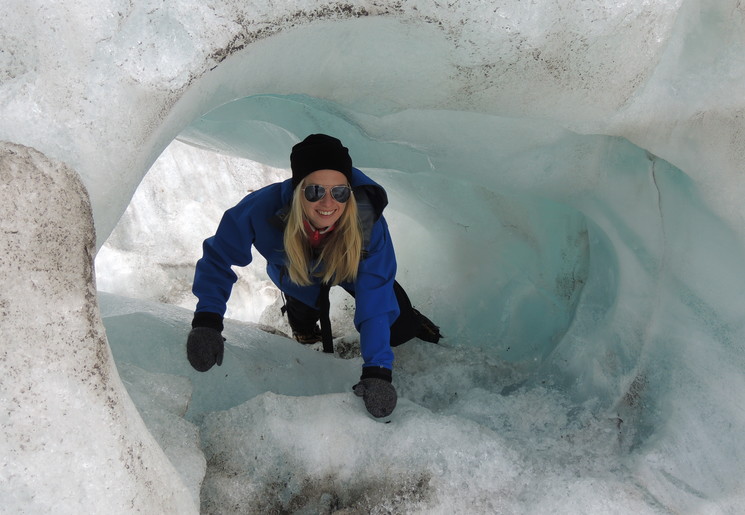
[(319, 152)]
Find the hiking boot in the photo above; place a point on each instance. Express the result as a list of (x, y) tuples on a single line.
[(314, 336), (428, 331)]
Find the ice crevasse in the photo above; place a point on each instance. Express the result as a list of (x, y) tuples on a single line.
[(578, 165)]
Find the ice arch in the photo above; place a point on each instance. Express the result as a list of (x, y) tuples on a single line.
[(657, 328)]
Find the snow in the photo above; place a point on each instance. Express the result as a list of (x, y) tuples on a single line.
[(281, 430)]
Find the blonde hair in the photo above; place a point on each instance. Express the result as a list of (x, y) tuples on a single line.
[(341, 251)]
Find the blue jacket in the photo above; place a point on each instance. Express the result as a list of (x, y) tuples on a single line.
[(257, 221)]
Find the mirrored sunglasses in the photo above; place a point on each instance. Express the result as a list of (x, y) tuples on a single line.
[(314, 193)]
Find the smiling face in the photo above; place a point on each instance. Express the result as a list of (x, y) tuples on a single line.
[(326, 211)]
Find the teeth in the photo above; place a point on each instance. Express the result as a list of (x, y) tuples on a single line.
[(326, 213)]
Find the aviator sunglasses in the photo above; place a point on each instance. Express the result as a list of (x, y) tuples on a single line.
[(315, 192)]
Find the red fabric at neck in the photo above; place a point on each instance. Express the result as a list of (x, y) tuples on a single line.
[(316, 236)]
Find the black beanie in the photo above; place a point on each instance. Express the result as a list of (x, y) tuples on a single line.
[(319, 152)]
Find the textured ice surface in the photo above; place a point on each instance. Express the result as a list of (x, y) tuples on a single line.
[(282, 431), (71, 440)]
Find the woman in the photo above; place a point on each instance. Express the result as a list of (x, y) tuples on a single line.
[(321, 228)]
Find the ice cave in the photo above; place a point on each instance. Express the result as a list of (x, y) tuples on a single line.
[(565, 185)]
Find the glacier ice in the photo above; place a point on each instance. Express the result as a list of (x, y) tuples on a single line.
[(568, 173), (72, 440)]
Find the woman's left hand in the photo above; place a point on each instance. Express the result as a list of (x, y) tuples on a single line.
[(379, 396)]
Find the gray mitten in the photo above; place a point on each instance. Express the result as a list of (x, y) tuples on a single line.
[(376, 391), (204, 348)]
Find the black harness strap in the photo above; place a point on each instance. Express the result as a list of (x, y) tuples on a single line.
[(325, 307)]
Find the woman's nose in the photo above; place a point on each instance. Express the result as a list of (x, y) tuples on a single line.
[(327, 199)]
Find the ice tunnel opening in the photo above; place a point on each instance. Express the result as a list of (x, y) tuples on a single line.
[(515, 260)]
